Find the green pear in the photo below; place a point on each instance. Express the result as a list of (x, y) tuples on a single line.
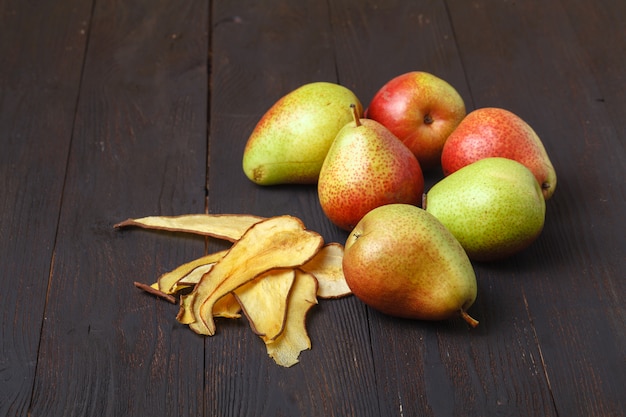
[(401, 261), (495, 207), (366, 167), (291, 140)]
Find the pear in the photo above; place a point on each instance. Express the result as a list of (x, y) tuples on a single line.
[(494, 207), (290, 142), (366, 167), (422, 110), (401, 261), (493, 131)]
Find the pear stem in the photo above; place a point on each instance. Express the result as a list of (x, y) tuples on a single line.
[(355, 115), (469, 319)]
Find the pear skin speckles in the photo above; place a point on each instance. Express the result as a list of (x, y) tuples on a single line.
[(366, 167), (495, 132), (402, 261), (291, 140), (494, 207)]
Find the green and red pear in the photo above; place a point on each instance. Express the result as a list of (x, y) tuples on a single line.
[(290, 142), (401, 261), (366, 167), (496, 132), (422, 110)]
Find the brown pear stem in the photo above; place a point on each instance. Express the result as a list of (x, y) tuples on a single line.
[(147, 288), (469, 319), (355, 115)]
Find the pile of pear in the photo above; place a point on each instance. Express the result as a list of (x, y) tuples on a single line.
[(409, 253)]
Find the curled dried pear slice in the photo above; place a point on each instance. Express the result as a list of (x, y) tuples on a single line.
[(193, 277), (264, 302), (286, 348), (184, 315), (326, 266), (228, 227), (277, 242), (177, 279), (227, 307)]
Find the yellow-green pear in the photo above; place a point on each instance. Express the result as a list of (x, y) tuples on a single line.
[(291, 140), (401, 261), (495, 207)]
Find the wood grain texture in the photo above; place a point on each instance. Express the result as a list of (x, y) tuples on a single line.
[(39, 82), (570, 279), (139, 148), (262, 52), (119, 109), (434, 363)]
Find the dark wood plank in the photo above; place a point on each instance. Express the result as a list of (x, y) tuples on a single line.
[(42, 48), (542, 61), (376, 41), (420, 367), (139, 148), (123, 133), (261, 52)]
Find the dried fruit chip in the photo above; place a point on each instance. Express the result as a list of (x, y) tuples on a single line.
[(173, 281), (286, 348), (222, 226), (264, 301), (193, 277), (326, 266), (227, 307), (277, 242), (274, 272), (184, 314)]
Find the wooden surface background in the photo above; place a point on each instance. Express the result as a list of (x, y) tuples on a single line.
[(117, 109)]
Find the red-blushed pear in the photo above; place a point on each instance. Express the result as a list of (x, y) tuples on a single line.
[(290, 141), (401, 261), (421, 109), (496, 132), (366, 167)]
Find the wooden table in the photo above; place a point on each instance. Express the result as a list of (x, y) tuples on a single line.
[(117, 109)]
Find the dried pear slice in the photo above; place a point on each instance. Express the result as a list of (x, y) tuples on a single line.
[(227, 307), (170, 282), (184, 315), (277, 242), (228, 227), (264, 301), (193, 277), (286, 348), (326, 266)]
